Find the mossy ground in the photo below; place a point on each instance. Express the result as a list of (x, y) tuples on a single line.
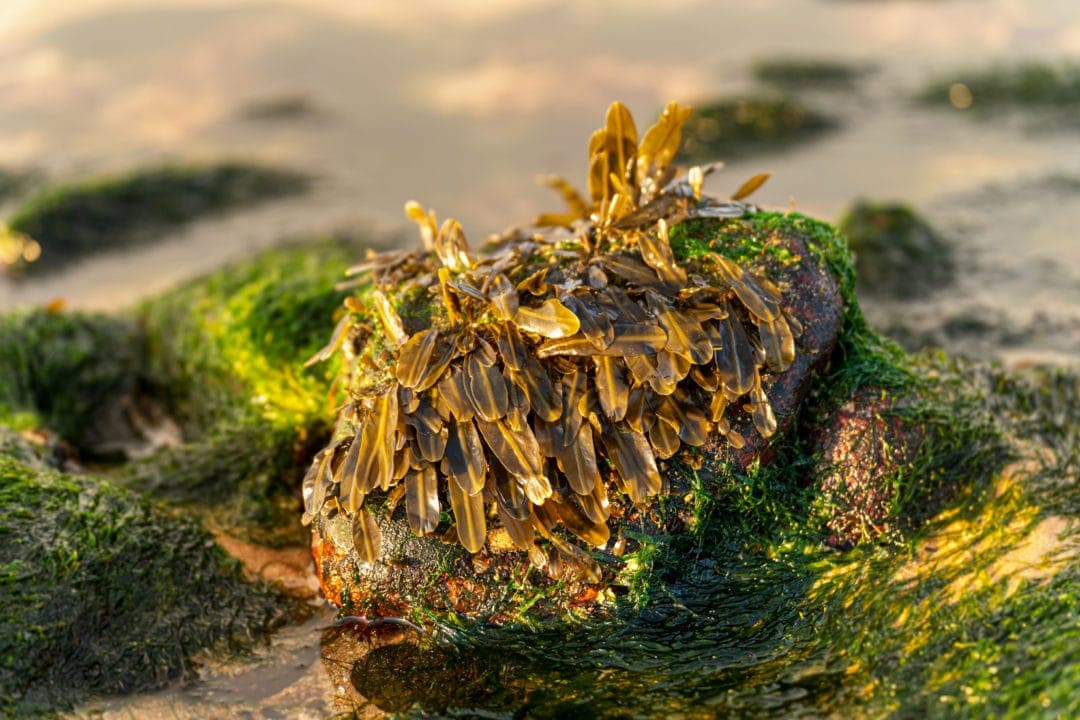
[(101, 593), (127, 594), (968, 610), (747, 613), (738, 128), (72, 221)]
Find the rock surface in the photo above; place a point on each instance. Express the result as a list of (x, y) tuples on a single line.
[(860, 450)]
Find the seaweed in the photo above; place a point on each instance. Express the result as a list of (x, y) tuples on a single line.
[(565, 350)]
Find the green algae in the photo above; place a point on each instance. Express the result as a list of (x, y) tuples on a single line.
[(898, 254), (100, 593), (133, 594), (737, 128), (74, 220), (59, 370), (225, 353)]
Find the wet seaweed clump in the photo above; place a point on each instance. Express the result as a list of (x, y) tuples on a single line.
[(747, 126), (523, 385)]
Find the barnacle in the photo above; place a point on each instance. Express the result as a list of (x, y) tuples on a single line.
[(566, 349)]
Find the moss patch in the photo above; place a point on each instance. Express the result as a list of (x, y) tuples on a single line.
[(100, 593), (794, 74), (898, 254), (728, 129), (1030, 85), (59, 370), (226, 354), (72, 221)]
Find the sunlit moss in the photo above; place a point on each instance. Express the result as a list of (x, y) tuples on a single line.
[(225, 353)]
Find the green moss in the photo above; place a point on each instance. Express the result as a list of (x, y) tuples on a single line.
[(226, 353), (794, 74), (100, 593), (72, 221), (1033, 84), (60, 370), (898, 254), (729, 129)]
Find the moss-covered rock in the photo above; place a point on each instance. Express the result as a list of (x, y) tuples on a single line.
[(733, 603), (732, 129), (225, 355), (898, 254), (68, 222), (420, 576), (794, 74), (1025, 86), (101, 593), (66, 371)]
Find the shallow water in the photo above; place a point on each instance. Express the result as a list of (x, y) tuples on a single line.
[(460, 109)]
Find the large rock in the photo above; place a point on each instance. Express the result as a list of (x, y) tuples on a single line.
[(435, 575)]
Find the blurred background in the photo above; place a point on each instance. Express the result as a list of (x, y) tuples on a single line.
[(144, 143)]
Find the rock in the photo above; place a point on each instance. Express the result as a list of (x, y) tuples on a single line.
[(433, 575), (104, 594), (749, 126), (897, 253), (224, 357), (67, 222), (66, 372), (861, 449)]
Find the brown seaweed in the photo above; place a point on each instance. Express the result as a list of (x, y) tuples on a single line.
[(580, 344)]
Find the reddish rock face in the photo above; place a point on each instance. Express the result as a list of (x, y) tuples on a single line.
[(435, 574), (861, 447)]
